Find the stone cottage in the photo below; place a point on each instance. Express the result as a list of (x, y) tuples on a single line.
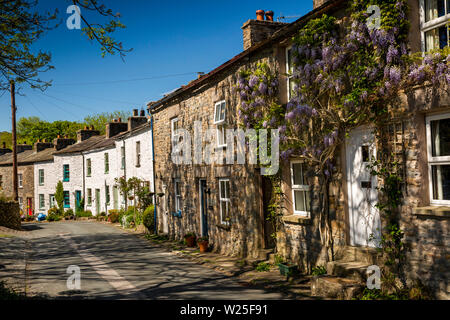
[(229, 203)]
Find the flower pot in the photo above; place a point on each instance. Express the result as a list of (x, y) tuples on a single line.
[(287, 269), (203, 245), (190, 241)]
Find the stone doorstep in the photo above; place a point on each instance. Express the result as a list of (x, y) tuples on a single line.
[(356, 271), (335, 287), (353, 254)]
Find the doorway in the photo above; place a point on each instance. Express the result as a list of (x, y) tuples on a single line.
[(364, 217), (97, 201), (203, 207)]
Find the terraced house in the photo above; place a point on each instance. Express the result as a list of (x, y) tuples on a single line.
[(230, 203), (88, 168)]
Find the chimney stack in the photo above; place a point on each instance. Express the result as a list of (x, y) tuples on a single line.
[(23, 147), (60, 143), (259, 30), (136, 120), (4, 150), (86, 133), (42, 145), (115, 127)]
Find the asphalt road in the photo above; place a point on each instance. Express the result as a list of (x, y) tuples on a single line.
[(113, 264)]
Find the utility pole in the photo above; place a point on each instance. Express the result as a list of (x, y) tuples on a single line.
[(14, 141)]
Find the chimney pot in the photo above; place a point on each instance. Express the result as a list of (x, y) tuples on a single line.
[(142, 113), (260, 15), (269, 15), (4, 145), (85, 127), (135, 112)]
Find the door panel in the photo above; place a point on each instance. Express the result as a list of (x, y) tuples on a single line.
[(203, 208), (364, 217)]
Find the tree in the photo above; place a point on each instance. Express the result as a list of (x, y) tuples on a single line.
[(21, 25), (59, 196)]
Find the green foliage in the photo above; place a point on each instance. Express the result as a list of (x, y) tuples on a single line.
[(189, 234), (84, 214), (6, 137), (7, 293), (318, 271), (262, 267), (68, 213), (113, 216), (99, 120), (59, 196), (53, 216), (278, 259), (148, 218)]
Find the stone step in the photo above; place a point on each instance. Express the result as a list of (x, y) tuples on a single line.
[(335, 287), (265, 254), (362, 254), (351, 270)]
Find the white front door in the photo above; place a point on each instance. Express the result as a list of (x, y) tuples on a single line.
[(364, 217)]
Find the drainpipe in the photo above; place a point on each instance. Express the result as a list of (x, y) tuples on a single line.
[(153, 173), (84, 191)]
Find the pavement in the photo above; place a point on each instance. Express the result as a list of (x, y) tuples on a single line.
[(119, 264)]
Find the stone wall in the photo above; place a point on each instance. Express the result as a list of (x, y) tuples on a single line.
[(26, 191), (244, 236), (9, 215)]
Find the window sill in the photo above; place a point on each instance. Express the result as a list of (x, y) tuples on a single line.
[(296, 219), (433, 211)]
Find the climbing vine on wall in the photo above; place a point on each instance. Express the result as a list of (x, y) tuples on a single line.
[(346, 74)]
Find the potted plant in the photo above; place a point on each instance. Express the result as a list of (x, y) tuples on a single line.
[(203, 244), (190, 239), (287, 269)]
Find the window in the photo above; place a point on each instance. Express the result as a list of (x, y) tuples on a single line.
[(52, 200), (177, 193), (289, 71), (20, 180), (300, 189), (224, 200), (41, 177), (89, 197), (1, 181), (435, 16), (106, 156), (122, 156), (219, 112), (41, 202), (219, 120), (88, 167), (20, 203), (66, 173), (66, 199), (107, 195), (138, 153), (438, 141), (174, 126)]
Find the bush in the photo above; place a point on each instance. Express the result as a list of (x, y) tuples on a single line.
[(148, 218), (54, 210), (68, 213), (262, 267), (319, 270), (84, 214), (53, 217), (113, 216)]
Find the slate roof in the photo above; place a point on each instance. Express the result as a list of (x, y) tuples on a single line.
[(81, 146)]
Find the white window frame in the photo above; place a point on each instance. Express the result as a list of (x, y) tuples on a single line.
[(225, 201), (432, 24), (138, 153), (20, 200), (51, 200), (89, 197), (20, 180), (122, 158), (41, 201), (39, 177), (178, 199), (443, 160), (107, 195), (299, 187), (106, 162), (289, 73), (221, 103), (221, 132), (89, 167), (172, 126)]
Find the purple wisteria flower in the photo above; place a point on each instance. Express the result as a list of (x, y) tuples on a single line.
[(262, 88), (253, 81)]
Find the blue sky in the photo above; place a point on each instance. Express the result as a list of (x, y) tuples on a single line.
[(168, 38)]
